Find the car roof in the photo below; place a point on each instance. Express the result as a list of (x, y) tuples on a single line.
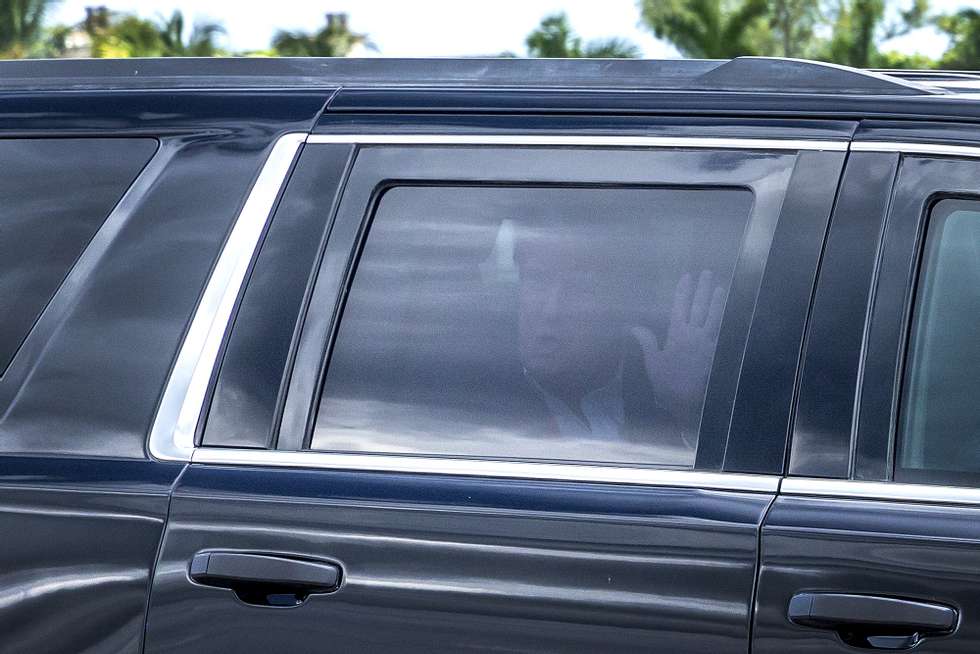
[(743, 74)]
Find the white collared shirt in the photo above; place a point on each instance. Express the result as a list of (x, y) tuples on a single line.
[(601, 412)]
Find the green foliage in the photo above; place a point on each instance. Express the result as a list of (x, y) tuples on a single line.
[(21, 25), (847, 32), (126, 36), (859, 26), (963, 29), (793, 25), (115, 34), (333, 40), (199, 43), (554, 38), (708, 29), (853, 40), (896, 60)]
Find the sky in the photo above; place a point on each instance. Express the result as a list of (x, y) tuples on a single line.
[(436, 28)]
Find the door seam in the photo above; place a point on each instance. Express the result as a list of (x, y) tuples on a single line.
[(159, 553), (753, 606)]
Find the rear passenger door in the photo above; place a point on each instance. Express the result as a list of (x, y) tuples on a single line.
[(490, 391), (874, 541)]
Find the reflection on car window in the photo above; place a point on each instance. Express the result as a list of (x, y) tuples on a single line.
[(543, 323), (55, 193), (940, 422)]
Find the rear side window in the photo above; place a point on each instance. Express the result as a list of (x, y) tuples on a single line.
[(54, 196), (562, 323), (939, 439)]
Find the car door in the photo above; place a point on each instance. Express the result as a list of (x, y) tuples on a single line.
[(873, 541), (488, 390)]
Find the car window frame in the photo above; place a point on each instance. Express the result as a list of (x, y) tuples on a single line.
[(168, 441), (926, 176), (929, 169), (343, 267)]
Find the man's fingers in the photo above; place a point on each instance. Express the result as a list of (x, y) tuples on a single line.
[(647, 340), (702, 298), (682, 300), (653, 358), (716, 312)]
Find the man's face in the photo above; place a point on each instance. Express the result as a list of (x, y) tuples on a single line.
[(567, 335)]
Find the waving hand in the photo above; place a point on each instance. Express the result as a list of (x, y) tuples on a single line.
[(678, 368)]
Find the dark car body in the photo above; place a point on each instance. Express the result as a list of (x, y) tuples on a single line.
[(181, 243)]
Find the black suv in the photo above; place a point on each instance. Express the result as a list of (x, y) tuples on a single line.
[(491, 355)]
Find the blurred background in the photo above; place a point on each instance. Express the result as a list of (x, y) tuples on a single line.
[(863, 33)]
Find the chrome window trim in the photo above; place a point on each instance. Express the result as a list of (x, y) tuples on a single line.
[(609, 473), (172, 433), (584, 140), (879, 490), (916, 148)]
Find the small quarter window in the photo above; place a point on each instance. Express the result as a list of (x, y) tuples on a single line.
[(939, 439), (575, 324)]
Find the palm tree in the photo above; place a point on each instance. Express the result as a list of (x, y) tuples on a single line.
[(334, 40), (708, 29), (21, 25), (792, 23), (127, 36), (114, 34), (853, 40), (200, 42), (859, 26), (554, 38)]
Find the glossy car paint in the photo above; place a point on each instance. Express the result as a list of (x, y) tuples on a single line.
[(893, 549), (82, 509), (453, 564), (80, 537)]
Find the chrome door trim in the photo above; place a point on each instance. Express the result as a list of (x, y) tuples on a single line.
[(172, 433), (879, 490), (916, 148), (469, 467), (583, 140)]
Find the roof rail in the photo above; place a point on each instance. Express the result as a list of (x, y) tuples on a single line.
[(760, 74), (781, 75), (927, 75), (951, 81)]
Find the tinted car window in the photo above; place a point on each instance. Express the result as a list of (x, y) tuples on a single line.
[(539, 323), (54, 196), (940, 423)]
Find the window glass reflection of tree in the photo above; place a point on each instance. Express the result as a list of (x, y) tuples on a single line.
[(534, 323)]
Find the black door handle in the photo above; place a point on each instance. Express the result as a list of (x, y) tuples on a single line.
[(870, 621), (265, 579)]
